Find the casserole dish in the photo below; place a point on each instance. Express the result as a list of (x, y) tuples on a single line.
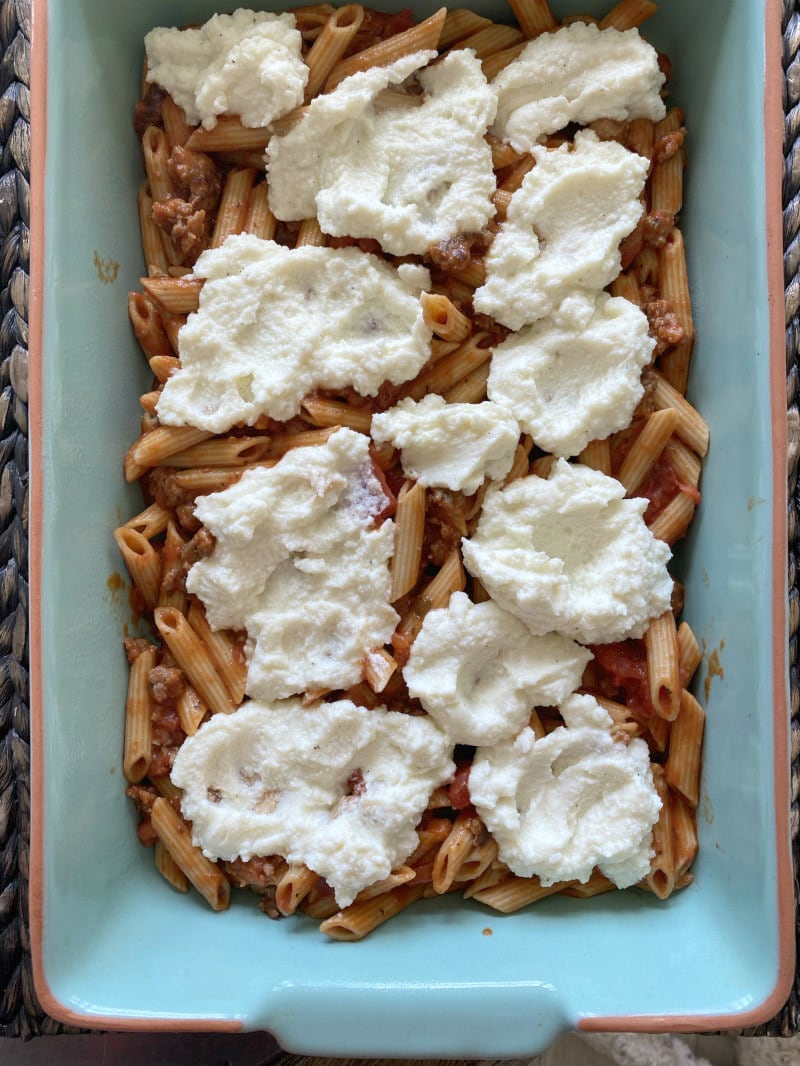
[(113, 948)]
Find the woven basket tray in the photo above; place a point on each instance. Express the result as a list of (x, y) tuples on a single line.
[(20, 1012)]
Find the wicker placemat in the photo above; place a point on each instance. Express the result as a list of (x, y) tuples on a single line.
[(21, 1014)]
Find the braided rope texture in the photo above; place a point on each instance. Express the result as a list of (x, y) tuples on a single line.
[(21, 1014)]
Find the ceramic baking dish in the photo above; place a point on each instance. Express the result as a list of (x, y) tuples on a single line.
[(113, 946)]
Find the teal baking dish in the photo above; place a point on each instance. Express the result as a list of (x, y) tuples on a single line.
[(114, 947)]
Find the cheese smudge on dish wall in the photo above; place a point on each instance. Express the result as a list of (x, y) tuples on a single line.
[(577, 74), (300, 564), (450, 445), (573, 800), (407, 171), (575, 376), (332, 785), (276, 323), (571, 555), (563, 229), (249, 64), (478, 671)]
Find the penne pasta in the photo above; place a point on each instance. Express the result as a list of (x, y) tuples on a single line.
[(137, 750), (692, 428), (355, 921), (663, 669), (514, 893), (689, 654), (661, 878), (259, 219), (491, 39), (158, 444), (223, 650), (294, 885), (228, 135), (232, 212), (628, 14), (177, 295), (425, 35), (332, 42), (453, 852), (221, 451), (169, 869), (534, 17), (443, 318), (597, 455), (149, 522), (327, 413), (176, 837), (193, 658), (191, 710), (143, 562), (682, 768)]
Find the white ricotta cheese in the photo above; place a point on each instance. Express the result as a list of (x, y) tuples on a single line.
[(563, 229), (573, 800), (249, 63), (577, 74), (571, 555), (299, 564), (405, 175), (575, 376), (275, 779), (276, 323), (479, 672), (450, 445)]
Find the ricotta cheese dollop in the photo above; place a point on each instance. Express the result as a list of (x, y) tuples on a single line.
[(407, 171), (301, 566), (577, 74), (479, 672), (450, 445), (249, 64), (563, 229), (571, 555), (276, 323), (333, 785), (573, 800), (575, 376)]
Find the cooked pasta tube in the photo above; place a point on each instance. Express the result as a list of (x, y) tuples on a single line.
[(176, 837), (194, 660), (453, 368), (224, 652), (494, 874), (515, 892), (660, 879), (684, 834), (409, 535), (489, 40), (443, 318), (478, 861), (153, 447), (493, 64), (453, 851), (220, 451), (597, 884), (228, 135), (191, 710), (692, 428), (472, 388), (147, 326), (379, 666), (425, 35), (628, 14), (355, 921), (597, 455), (402, 876), (149, 522), (178, 295), (325, 413), (169, 869), (171, 592), (663, 669), (310, 234), (143, 562), (682, 768), (260, 220), (332, 42), (671, 524), (232, 212), (461, 23), (164, 366), (666, 179), (534, 17), (138, 744), (176, 127), (689, 654), (153, 238), (641, 136), (156, 158), (295, 884)]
